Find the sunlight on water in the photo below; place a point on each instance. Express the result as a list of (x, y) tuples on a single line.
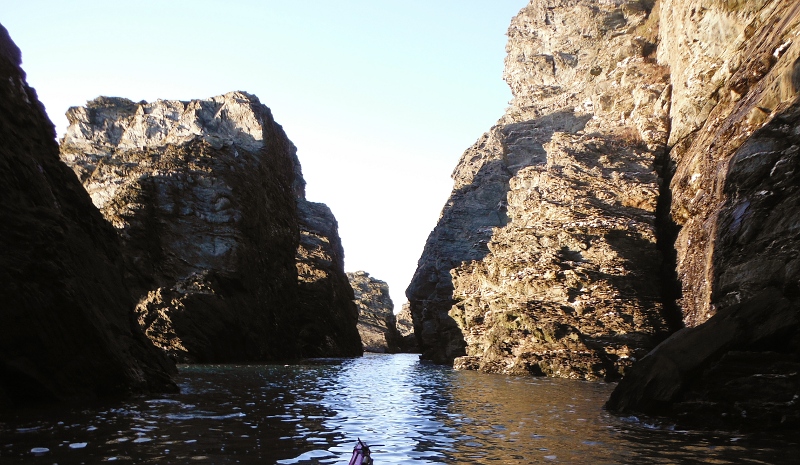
[(408, 411)]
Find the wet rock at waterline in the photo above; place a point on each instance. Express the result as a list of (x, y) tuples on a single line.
[(66, 314), (204, 195), (376, 319), (544, 260)]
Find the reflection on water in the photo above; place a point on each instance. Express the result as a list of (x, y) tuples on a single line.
[(411, 413)]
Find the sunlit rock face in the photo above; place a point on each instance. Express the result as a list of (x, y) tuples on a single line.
[(544, 260), (204, 195), (376, 320), (735, 113), (66, 313)]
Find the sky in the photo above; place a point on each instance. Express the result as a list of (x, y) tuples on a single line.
[(381, 97)]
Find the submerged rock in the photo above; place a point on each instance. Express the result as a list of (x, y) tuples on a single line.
[(376, 320), (544, 260), (204, 195), (67, 326)]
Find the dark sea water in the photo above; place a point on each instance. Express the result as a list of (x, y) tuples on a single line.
[(412, 413)]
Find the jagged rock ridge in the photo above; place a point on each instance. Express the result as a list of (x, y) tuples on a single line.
[(67, 330), (204, 195), (544, 260), (376, 319)]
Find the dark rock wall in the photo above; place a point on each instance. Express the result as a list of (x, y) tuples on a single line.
[(735, 198), (329, 314), (544, 260), (204, 195), (67, 328)]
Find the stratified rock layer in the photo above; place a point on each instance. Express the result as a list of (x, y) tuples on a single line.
[(736, 78), (544, 260), (376, 320), (67, 327), (204, 196)]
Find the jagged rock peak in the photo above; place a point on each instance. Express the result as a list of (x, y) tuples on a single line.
[(106, 125)]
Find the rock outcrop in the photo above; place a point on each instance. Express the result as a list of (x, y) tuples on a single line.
[(376, 320), (736, 80), (405, 326), (204, 195), (545, 260), (67, 328), (329, 312)]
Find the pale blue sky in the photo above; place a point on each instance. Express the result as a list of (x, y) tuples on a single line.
[(380, 97)]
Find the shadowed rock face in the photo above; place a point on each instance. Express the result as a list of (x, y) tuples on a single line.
[(544, 260), (204, 195), (405, 325), (735, 197), (376, 320), (329, 314), (67, 328)]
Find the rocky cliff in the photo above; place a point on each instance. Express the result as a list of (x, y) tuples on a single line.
[(376, 320), (405, 325), (204, 195), (67, 315), (643, 180), (545, 258), (736, 77), (329, 312)]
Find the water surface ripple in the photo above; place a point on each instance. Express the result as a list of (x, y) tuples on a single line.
[(412, 412)]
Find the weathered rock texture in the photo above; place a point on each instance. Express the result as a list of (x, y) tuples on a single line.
[(544, 260), (376, 320), (735, 77), (204, 195), (67, 328)]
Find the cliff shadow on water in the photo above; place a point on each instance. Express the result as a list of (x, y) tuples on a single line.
[(477, 205)]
